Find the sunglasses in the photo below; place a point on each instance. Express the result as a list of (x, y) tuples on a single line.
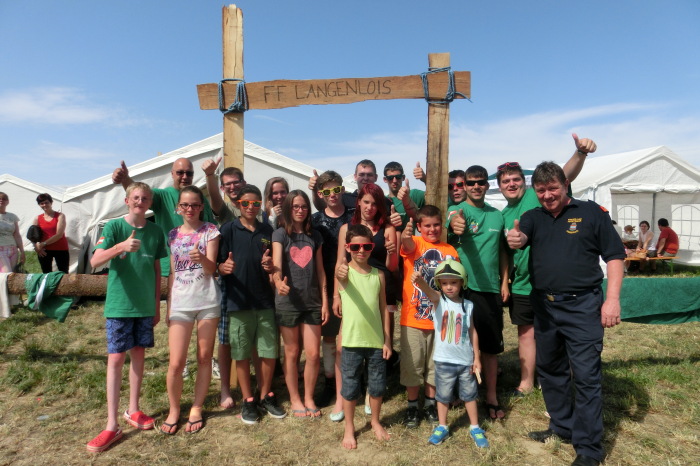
[(328, 192), (394, 177), (184, 172), (451, 186), (245, 203), (479, 182), (508, 165), (185, 206), (355, 247)]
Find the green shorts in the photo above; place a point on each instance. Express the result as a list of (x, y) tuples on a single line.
[(248, 329)]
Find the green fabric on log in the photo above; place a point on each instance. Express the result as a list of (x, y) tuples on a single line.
[(40, 287), (659, 300)]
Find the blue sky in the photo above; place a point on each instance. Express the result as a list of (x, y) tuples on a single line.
[(85, 84)]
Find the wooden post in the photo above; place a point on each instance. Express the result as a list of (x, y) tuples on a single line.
[(75, 285), (437, 163), (232, 19)]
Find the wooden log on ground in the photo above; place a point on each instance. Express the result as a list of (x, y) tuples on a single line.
[(75, 285)]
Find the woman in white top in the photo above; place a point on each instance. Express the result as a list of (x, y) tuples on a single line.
[(11, 246), (645, 238)]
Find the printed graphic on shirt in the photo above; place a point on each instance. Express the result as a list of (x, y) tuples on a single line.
[(573, 225), (426, 265)]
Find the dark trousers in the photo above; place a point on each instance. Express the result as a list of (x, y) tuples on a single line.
[(569, 340), (62, 260)]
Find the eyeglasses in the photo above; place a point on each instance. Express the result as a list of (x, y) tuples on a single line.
[(355, 247), (189, 173), (245, 203), (394, 177), (479, 182), (300, 207), (185, 206), (451, 186), (328, 192), (231, 183), (508, 165)]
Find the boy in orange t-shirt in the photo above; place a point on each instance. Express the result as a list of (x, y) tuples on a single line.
[(420, 253)]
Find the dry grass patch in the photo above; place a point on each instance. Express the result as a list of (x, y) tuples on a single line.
[(52, 401)]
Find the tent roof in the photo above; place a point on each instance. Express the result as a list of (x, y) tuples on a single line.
[(210, 144), (55, 191), (624, 166)]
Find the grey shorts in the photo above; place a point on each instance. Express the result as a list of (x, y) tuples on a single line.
[(213, 312)]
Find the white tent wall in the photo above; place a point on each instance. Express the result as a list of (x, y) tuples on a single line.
[(647, 185), (90, 205), (22, 195)]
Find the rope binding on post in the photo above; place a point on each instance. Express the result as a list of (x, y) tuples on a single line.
[(240, 103), (450, 95)]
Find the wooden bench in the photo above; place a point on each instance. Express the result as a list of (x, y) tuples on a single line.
[(663, 258)]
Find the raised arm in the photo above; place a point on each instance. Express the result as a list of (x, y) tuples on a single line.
[(209, 168), (573, 166), (121, 176)]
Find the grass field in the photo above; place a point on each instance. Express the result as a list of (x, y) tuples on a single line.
[(52, 401)]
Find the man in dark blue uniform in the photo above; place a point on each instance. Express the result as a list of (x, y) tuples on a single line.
[(567, 237)]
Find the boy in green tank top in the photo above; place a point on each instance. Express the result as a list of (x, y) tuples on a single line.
[(364, 332)]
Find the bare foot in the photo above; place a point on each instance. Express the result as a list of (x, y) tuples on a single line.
[(380, 432), (349, 441), (226, 401)]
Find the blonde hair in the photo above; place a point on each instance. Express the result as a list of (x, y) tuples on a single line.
[(139, 185)]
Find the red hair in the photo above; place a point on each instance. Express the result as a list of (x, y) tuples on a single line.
[(381, 217)]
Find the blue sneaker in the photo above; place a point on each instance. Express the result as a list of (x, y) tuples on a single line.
[(479, 437), (440, 434)]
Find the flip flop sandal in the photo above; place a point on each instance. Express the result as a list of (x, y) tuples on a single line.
[(172, 428), (496, 409), (193, 423), (300, 412), (314, 413)]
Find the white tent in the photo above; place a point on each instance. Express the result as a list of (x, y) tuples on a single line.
[(22, 194), (647, 184), (90, 205)]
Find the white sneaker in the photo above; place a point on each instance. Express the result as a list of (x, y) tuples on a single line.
[(186, 372), (215, 373)]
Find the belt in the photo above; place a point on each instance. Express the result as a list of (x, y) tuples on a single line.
[(556, 296)]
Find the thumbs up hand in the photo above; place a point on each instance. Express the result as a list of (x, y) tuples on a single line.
[(210, 165), (584, 145), (458, 223), (516, 238), (120, 173), (228, 266), (196, 255), (131, 244), (341, 271), (312, 181), (408, 230), (418, 172), (267, 262), (282, 287), (395, 217), (404, 191)]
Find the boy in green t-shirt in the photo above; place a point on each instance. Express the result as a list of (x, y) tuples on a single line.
[(364, 332), (132, 307)]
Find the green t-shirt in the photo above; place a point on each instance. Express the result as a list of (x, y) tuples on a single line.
[(478, 247), (418, 198), (362, 320), (164, 209), (521, 274), (131, 283)]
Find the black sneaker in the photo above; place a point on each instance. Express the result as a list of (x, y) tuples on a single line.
[(249, 412), (544, 435), (270, 406), (328, 393), (411, 420), (430, 413)]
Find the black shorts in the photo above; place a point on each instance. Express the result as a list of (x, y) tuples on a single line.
[(488, 320), (520, 310)]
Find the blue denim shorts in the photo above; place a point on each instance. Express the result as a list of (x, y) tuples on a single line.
[(128, 332), (447, 375), (351, 366)]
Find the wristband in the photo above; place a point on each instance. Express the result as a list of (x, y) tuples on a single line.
[(582, 152)]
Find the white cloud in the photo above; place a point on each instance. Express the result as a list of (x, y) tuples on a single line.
[(528, 139), (59, 106)]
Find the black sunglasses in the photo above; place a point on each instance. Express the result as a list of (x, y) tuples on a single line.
[(184, 172), (355, 247), (479, 182), (394, 177)]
